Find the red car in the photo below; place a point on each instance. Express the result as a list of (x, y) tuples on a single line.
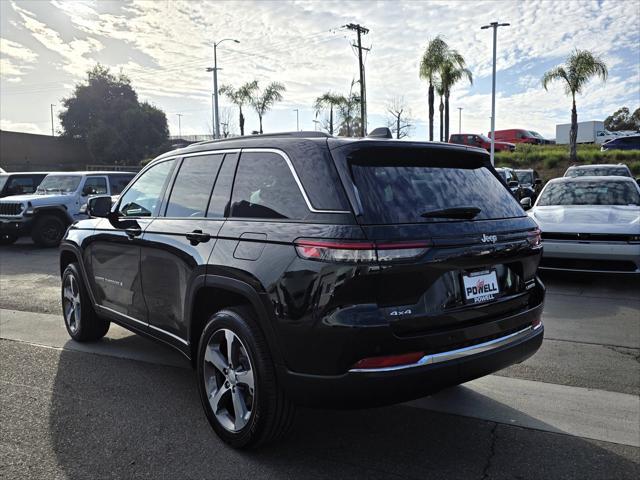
[(479, 140), (517, 135)]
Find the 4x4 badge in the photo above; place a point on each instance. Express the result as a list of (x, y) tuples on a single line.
[(489, 238)]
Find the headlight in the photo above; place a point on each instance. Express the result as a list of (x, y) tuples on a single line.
[(634, 238)]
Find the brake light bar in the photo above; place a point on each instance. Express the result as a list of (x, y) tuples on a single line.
[(359, 251)]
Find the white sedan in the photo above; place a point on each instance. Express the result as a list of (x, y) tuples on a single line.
[(590, 224)]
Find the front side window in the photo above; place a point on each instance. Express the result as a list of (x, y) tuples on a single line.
[(144, 197), (59, 184), (192, 188), (265, 188), (95, 186), (589, 193)]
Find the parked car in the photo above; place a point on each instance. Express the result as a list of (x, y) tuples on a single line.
[(16, 183), (326, 271), (542, 140), (60, 199), (629, 142), (606, 169), (511, 179), (590, 224), (530, 182), (516, 135), (479, 140)]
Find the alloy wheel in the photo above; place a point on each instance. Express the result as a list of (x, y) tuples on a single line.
[(71, 305), (229, 380)]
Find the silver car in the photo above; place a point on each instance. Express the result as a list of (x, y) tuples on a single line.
[(590, 224)]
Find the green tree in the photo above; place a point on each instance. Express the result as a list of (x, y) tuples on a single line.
[(452, 71), (576, 72), (432, 59), (263, 101), (239, 97), (331, 101), (622, 119), (105, 113)]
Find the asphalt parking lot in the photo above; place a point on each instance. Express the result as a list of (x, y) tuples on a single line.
[(127, 408)]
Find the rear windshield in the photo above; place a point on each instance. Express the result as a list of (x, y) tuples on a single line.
[(524, 176), (589, 193), (597, 171), (410, 192)]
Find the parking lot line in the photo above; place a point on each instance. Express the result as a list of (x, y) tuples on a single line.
[(582, 412)]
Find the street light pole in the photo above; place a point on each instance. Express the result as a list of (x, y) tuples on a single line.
[(179, 125), (51, 106), (215, 118), (495, 26), (459, 120), (297, 120)]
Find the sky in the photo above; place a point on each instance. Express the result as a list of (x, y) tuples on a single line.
[(165, 46)]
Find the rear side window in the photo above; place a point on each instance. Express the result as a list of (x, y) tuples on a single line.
[(21, 185), (118, 182), (192, 188), (410, 192), (95, 185), (265, 188)]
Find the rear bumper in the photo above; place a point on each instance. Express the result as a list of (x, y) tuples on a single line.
[(358, 388), (604, 257)]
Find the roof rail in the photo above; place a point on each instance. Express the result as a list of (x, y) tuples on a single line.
[(298, 134)]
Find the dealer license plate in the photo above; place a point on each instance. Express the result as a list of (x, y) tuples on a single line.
[(481, 287)]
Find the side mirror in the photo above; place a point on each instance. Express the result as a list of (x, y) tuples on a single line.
[(537, 181), (526, 203), (513, 184), (99, 206)]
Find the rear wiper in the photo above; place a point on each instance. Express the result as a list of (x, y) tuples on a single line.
[(456, 212)]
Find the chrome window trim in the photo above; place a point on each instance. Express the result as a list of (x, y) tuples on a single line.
[(131, 319), (434, 358), (284, 156)]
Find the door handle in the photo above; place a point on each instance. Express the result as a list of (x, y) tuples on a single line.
[(197, 237), (133, 232)]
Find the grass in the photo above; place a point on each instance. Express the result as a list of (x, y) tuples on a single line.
[(552, 160)]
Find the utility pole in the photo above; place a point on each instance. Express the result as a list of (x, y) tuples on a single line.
[(51, 106), (459, 120), (297, 120), (179, 125), (215, 119), (363, 91), (495, 26)]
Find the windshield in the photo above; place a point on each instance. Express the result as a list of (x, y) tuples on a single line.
[(594, 192), (59, 184), (534, 134), (3, 180), (411, 192), (484, 139), (597, 171), (524, 176)]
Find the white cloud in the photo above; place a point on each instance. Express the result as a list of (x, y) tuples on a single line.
[(20, 126)]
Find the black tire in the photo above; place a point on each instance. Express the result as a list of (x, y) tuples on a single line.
[(7, 238), (271, 412), (47, 231), (80, 319)]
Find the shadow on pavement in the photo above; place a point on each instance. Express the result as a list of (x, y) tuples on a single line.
[(116, 418)]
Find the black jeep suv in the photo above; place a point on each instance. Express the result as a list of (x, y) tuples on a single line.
[(305, 269)]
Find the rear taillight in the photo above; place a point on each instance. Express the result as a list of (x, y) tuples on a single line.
[(534, 238), (359, 252), (389, 361)]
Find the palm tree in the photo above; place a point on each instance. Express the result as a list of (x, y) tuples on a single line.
[(263, 101), (328, 100), (432, 59), (350, 121), (239, 97), (576, 72), (440, 91), (451, 72)]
